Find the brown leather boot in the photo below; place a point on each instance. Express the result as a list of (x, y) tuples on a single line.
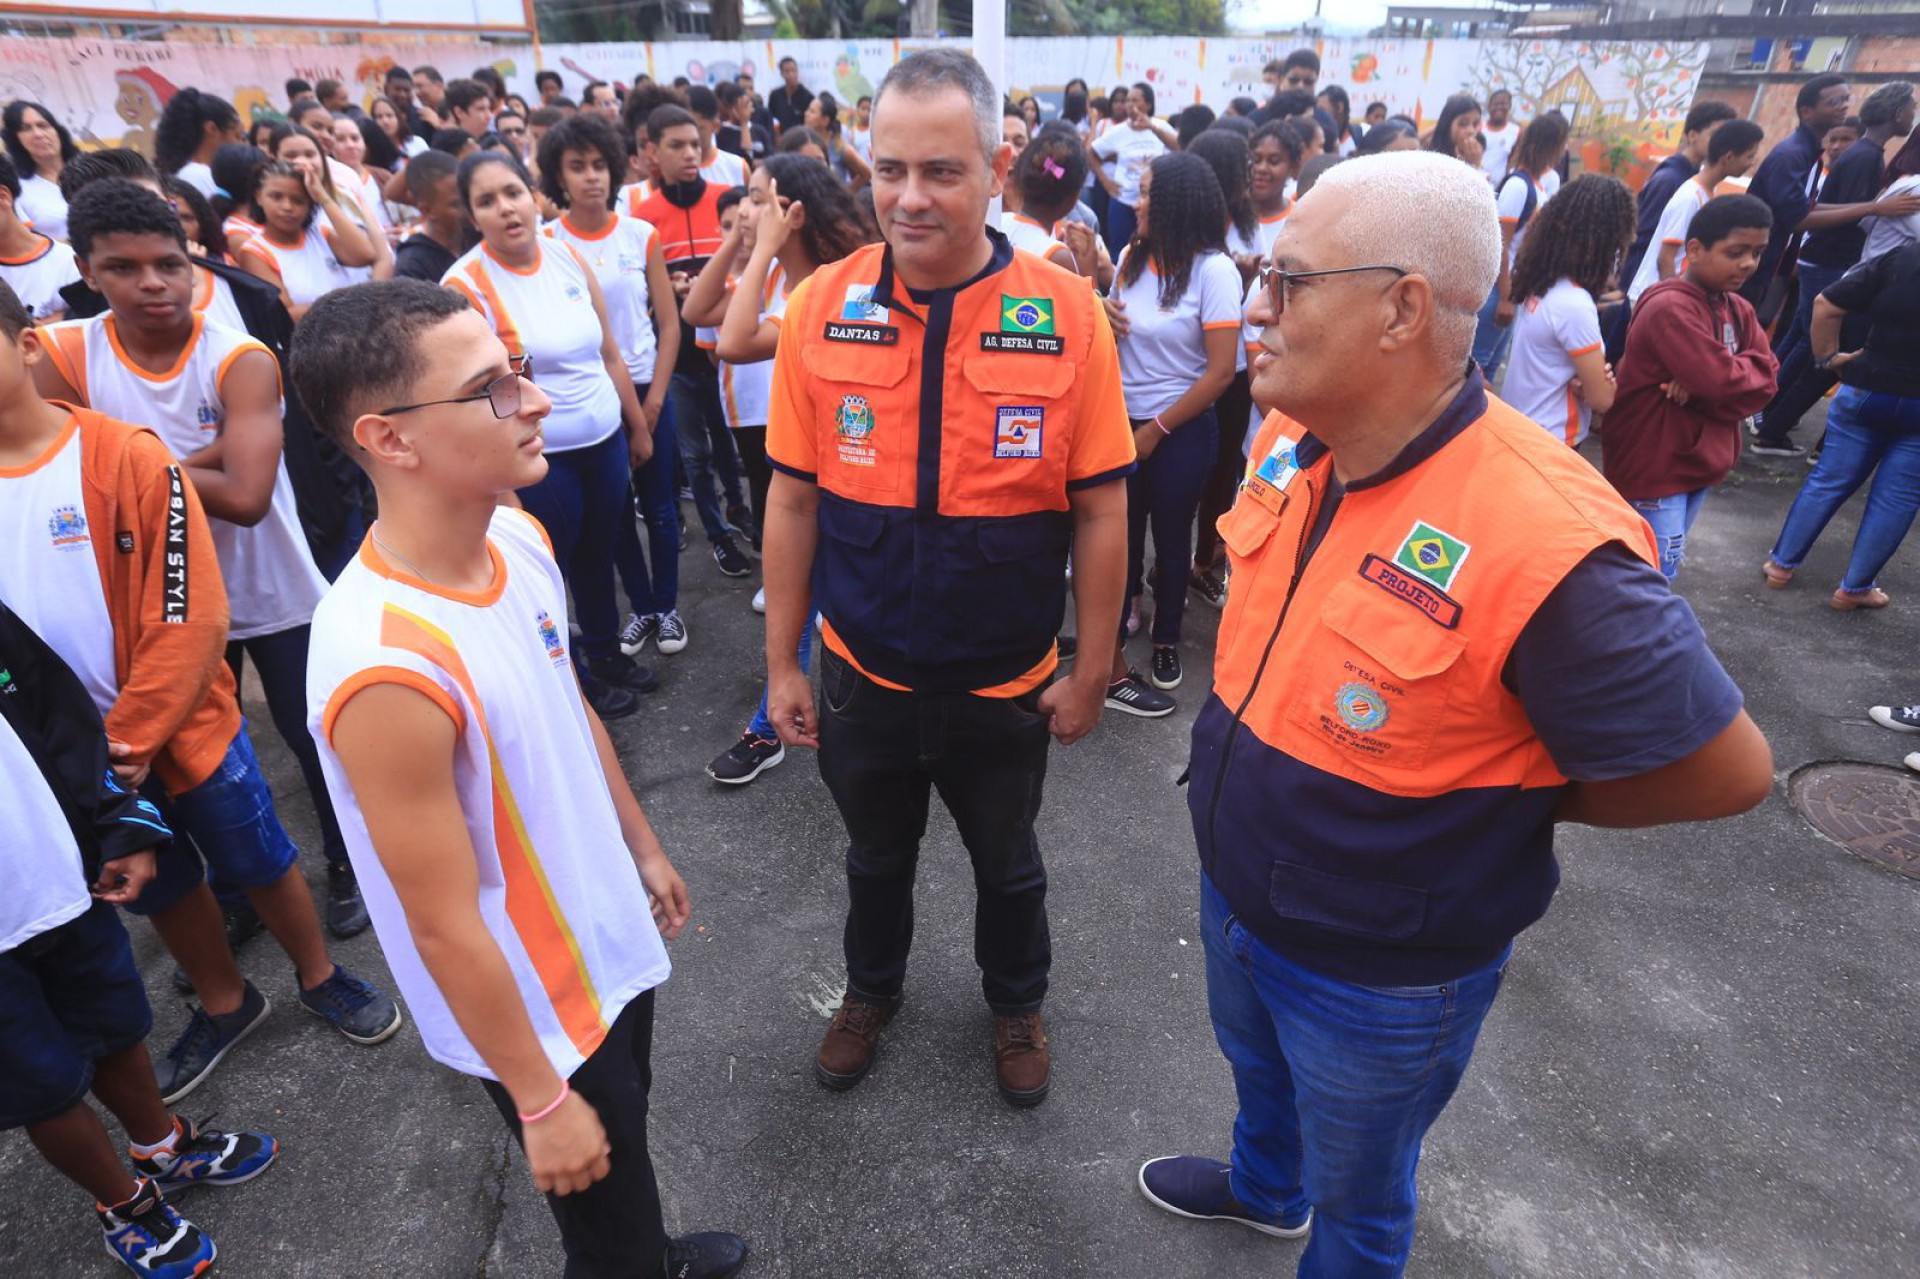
[(1021, 1059), (846, 1052)]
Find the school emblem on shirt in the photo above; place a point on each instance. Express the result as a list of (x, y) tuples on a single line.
[(207, 415), (1026, 325), (853, 421), (1362, 707), (860, 307), (550, 636), (68, 527), (574, 293), (1432, 554), (1017, 429)]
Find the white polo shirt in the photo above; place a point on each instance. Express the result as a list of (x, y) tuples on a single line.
[(1548, 331)]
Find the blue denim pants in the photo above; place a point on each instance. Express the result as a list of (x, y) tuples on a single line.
[(1867, 434), (1122, 221), (653, 587), (1337, 1084), (1671, 519), (1163, 496), (226, 825), (706, 450), (1491, 341)]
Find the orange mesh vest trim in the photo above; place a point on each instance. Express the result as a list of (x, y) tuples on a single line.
[(1386, 669)]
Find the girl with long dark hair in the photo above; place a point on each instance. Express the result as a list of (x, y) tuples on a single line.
[(582, 160), (1129, 148), (823, 117), (295, 251), (1559, 376), (306, 150), (39, 146), (1527, 186), (1175, 306), (1457, 132), (192, 127)]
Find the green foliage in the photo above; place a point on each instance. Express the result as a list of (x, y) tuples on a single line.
[(1117, 17)]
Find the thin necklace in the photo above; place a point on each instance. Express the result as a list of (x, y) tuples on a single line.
[(406, 563)]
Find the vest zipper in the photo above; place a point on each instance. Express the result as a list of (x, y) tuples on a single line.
[(1233, 726)]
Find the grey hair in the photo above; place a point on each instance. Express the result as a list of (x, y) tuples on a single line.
[(932, 70), (1884, 103), (1432, 216)]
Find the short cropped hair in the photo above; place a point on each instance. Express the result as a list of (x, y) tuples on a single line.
[(1454, 243), (703, 102), (1302, 58), (462, 94), (15, 319), (543, 78), (1706, 114), (118, 207), (1811, 92), (427, 170), (932, 70), (661, 119), (1721, 216), (109, 162), (358, 348), (1733, 137)]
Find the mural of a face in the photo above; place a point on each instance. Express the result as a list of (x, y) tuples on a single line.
[(136, 104)]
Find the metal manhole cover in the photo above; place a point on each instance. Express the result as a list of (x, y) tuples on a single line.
[(1873, 813)]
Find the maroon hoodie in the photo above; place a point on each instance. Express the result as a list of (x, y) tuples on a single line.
[(1712, 345)]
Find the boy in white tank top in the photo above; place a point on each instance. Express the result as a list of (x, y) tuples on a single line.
[(509, 898)]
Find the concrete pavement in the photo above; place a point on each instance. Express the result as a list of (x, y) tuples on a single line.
[(1701, 1064)]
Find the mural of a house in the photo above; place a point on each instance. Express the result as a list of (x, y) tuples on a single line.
[(1574, 96)]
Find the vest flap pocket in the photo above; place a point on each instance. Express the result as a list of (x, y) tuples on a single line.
[(1023, 537), (1363, 907), (1002, 375), (1246, 527), (1390, 630), (858, 362), (851, 524)]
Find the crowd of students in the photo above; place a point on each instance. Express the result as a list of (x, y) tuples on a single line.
[(634, 255)]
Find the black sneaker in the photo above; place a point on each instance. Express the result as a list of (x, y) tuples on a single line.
[(746, 759), (1200, 1190), (1066, 647), (1763, 447), (637, 631), (205, 1041), (1901, 719), (148, 1237), (731, 559), (671, 632), (1136, 697), (621, 671), (740, 516), (359, 1010), (607, 701), (346, 912), (204, 1157), (243, 924), (707, 1255), (1209, 586), (1166, 666)]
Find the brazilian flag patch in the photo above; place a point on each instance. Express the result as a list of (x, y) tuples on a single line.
[(1432, 554), (1026, 315)]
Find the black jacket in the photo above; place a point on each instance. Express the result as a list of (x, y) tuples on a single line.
[(326, 483), (52, 713)]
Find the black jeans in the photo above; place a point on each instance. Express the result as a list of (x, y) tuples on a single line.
[(612, 1229), (882, 752)]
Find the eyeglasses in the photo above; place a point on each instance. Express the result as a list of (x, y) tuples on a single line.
[(502, 394), (1277, 281)]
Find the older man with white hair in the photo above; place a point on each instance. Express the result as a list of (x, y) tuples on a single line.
[(1446, 634)]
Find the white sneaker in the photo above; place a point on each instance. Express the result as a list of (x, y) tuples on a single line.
[(1901, 719), (670, 634), (1913, 761), (760, 600)]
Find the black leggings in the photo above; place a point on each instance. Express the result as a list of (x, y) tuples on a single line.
[(1230, 463), (751, 441)]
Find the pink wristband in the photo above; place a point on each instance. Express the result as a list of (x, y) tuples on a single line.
[(1162, 425), (566, 1091)]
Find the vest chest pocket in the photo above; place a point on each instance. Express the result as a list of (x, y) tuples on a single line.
[(867, 421), (1015, 430), (1374, 682)]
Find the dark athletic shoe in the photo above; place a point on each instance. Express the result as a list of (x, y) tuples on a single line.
[(204, 1157), (1166, 667), (1188, 1186), (358, 1009), (746, 759), (1209, 586), (1135, 696), (205, 1042), (706, 1255), (346, 911), (1774, 448), (1067, 647), (607, 701), (148, 1237), (637, 631), (732, 560), (621, 671), (671, 633)]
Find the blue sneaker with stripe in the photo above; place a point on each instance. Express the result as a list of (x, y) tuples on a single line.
[(205, 1157), (149, 1238)]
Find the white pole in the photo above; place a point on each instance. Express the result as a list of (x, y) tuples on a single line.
[(990, 50)]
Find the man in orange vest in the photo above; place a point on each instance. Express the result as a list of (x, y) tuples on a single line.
[(946, 413), (1446, 634)]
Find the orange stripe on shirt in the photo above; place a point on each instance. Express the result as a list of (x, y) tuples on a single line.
[(503, 324), (1573, 418), (537, 921)]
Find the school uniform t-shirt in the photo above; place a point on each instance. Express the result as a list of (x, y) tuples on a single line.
[(1512, 204), (1131, 150), (1548, 332), (618, 256), (38, 277), (1164, 350), (308, 269), (199, 177), (41, 204), (1499, 150), (557, 888), (1689, 199), (725, 169), (746, 388)]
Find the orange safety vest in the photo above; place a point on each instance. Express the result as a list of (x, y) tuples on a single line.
[(1367, 792), (945, 435)]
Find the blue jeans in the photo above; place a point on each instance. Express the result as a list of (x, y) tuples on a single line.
[(762, 725), (1337, 1084), (1122, 221), (706, 450), (1867, 434), (1491, 341), (226, 824), (280, 660), (1671, 519), (581, 502), (1165, 493), (658, 590), (1798, 385)]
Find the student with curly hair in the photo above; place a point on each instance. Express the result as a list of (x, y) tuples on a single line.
[(581, 162), (1175, 307), (1559, 376), (193, 126)]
